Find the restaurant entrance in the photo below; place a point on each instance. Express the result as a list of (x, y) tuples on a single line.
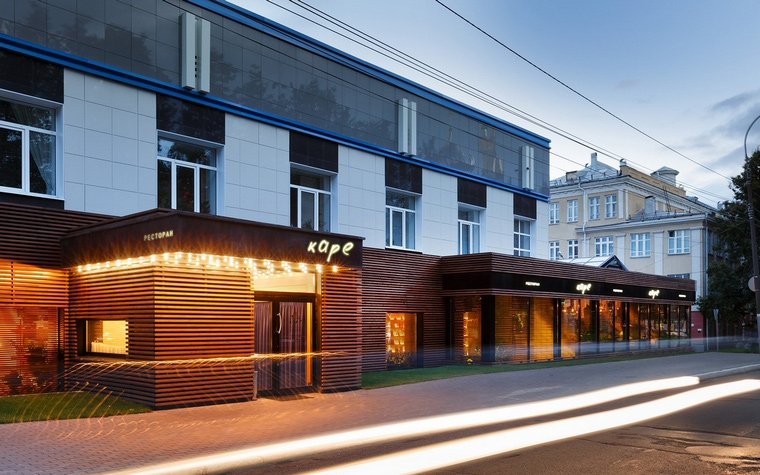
[(284, 342)]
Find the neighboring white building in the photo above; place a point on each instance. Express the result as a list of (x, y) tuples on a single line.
[(647, 221)]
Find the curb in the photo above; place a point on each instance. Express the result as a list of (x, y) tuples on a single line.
[(728, 372)]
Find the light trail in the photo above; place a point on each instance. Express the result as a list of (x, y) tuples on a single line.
[(477, 447), (233, 460)]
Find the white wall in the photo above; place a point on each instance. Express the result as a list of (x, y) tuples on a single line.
[(109, 146), (361, 196), (540, 233), (439, 214), (499, 224), (256, 171)]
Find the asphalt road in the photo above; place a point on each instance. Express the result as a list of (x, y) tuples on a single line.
[(719, 437)]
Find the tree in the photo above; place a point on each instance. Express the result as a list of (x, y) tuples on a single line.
[(728, 277)]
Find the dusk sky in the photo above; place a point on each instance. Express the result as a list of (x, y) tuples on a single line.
[(685, 72)]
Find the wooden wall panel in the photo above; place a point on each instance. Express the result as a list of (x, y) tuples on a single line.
[(401, 282), (341, 330), (539, 267), (28, 350), (203, 313), (190, 325), (30, 253)]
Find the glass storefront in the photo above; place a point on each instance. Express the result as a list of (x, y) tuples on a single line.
[(533, 329)]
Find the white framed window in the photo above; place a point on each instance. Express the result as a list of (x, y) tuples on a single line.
[(610, 206), (469, 231), (678, 241), (593, 208), (572, 248), (572, 211), (640, 245), (553, 213), (310, 200), (28, 149), (603, 246), (522, 238), (187, 176), (400, 217), (554, 254)]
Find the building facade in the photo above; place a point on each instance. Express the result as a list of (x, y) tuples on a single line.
[(646, 221), (201, 203)]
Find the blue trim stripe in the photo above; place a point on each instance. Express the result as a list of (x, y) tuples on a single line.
[(248, 18), (160, 87)]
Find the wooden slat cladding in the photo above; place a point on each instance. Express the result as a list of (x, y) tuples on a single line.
[(175, 313), (30, 253), (202, 312), (401, 282), (28, 350), (539, 267), (31, 235), (164, 385), (341, 329)]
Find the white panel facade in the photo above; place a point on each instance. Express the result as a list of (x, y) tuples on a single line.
[(439, 214), (361, 196), (540, 234), (499, 224), (256, 171), (109, 152)]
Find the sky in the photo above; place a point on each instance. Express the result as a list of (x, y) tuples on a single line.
[(685, 73)]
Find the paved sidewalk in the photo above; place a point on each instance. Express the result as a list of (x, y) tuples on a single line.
[(93, 446)]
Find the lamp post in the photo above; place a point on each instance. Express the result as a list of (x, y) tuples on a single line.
[(751, 213)]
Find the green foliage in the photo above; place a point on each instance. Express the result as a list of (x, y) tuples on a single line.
[(56, 406), (728, 277)]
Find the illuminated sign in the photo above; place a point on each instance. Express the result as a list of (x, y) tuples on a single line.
[(683, 296), (533, 284), (583, 288), (654, 293), (325, 247), (158, 235), (618, 291)]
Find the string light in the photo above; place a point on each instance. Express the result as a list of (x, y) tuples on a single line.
[(258, 268)]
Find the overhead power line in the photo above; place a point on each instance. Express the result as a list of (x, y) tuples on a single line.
[(422, 67), (576, 91)]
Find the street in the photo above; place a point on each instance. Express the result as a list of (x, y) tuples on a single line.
[(720, 437)]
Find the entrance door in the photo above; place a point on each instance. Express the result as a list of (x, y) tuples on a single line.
[(284, 329)]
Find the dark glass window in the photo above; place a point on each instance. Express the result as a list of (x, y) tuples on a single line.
[(192, 120), (313, 152), (31, 76), (525, 206), (403, 176), (471, 192)]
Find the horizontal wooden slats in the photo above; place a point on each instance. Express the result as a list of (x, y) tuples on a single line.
[(30, 253), (341, 330), (401, 282), (28, 350), (492, 262), (168, 384)]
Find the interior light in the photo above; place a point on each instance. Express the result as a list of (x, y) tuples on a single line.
[(79, 269)]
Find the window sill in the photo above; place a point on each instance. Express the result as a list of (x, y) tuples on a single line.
[(403, 249), (641, 257), (42, 201)]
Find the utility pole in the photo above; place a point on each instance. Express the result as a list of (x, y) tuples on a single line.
[(751, 214)]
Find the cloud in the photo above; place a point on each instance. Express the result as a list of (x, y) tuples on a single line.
[(627, 84), (736, 102)]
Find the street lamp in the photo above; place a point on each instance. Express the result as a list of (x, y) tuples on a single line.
[(751, 213)]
